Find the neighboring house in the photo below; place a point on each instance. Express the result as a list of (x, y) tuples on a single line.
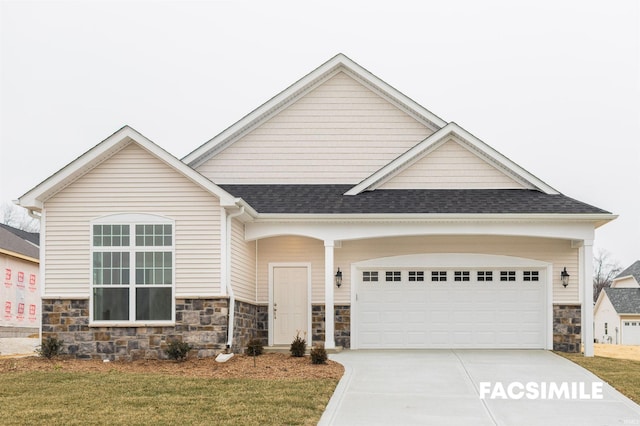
[(438, 240), (20, 292), (617, 310)]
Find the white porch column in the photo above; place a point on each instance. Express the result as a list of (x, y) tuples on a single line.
[(329, 321), (587, 297)]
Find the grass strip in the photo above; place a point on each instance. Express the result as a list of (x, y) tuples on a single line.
[(137, 399), (622, 374)]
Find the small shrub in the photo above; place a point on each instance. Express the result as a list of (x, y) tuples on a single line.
[(298, 346), (50, 347), (318, 354), (255, 347), (178, 350)]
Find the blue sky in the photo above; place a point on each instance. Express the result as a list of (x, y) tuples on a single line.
[(553, 85)]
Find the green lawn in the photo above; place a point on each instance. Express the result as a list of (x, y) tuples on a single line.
[(622, 374), (135, 399)]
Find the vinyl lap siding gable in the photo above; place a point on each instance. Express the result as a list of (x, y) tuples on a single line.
[(340, 132), (132, 181), (450, 166)]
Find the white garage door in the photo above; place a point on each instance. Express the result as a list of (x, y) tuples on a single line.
[(631, 332), (451, 308)]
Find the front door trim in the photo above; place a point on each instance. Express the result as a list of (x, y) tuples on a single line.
[(272, 266)]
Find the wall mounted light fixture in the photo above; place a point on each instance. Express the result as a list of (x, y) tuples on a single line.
[(564, 276), (338, 277)]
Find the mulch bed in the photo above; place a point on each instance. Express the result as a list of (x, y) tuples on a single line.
[(267, 366)]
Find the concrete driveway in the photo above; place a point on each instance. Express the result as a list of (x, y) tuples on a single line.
[(443, 387)]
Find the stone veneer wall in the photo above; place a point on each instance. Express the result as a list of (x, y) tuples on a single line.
[(342, 316), (200, 322), (567, 329), (250, 321)]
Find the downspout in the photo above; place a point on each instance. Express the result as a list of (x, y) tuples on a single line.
[(227, 278)]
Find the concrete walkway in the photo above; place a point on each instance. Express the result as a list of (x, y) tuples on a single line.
[(443, 387)]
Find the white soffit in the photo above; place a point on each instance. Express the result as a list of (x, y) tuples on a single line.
[(466, 139), (339, 63)]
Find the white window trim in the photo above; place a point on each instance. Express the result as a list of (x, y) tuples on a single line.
[(133, 219)]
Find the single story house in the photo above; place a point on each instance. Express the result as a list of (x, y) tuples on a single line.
[(617, 310), (339, 209), (19, 291)]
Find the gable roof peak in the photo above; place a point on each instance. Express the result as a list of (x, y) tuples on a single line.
[(339, 62), (471, 142), (34, 199), (633, 270)]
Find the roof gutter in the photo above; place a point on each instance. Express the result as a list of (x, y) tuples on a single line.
[(598, 218)]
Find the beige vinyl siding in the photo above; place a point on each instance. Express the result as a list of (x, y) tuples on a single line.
[(132, 181), (299, 249), (291, 249), (243, 264), (340, 132), (451, 166)]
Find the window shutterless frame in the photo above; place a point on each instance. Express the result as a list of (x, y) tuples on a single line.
[(132, 272)]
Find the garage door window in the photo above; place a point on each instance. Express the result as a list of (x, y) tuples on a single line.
[(485, 275), (461, 276), (530, 276), (507, 275), (370, 276), (438, 275), (416, 275), (393, 276)]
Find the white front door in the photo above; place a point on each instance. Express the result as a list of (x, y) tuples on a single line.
[(290, 303)]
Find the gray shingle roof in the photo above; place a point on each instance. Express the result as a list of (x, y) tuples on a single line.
[(32, 237), (624, 300), (14, 242), (329, 199), (633, 270)]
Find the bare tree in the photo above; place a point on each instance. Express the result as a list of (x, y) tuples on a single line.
[(18, 217), (604, 271)]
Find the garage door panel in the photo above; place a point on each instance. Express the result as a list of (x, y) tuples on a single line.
[(631, 331), (487, 338), (462, 338), (452, 314), (440, 337), (390, 319), (416, 338), (394, 339)]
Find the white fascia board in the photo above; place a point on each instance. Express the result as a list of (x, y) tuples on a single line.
[(298, 89), (435, 140), (357, 227), (592, 218), (19, 255), (35, 198)]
